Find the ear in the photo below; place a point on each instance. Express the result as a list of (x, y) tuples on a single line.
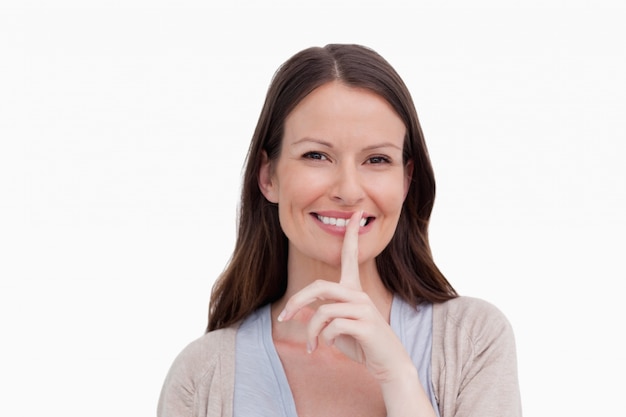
[(267, 183), (408, 176)]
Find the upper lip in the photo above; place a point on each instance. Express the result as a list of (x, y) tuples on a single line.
[(340, 214)]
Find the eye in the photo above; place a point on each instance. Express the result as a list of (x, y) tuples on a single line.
[(378, 159), (315, 155)]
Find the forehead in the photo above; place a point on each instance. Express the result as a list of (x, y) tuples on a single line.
[(337, 112)]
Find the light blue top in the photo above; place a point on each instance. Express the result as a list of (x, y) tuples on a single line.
[(261, 387)]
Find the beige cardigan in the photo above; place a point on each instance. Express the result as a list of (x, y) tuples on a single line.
[(474, 369)]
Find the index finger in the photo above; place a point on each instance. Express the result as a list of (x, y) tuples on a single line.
[(350, 253)]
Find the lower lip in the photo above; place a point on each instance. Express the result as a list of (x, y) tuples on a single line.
[(340, 231)]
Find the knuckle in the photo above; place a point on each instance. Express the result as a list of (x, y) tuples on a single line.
[(362, 298), (318, 284), (322, 312)]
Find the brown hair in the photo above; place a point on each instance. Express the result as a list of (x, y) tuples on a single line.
[(257, 272)]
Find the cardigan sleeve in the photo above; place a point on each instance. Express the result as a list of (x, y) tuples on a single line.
[(474, 360), (201, 379)]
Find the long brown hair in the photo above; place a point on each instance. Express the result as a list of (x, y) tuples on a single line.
[(257, 272)]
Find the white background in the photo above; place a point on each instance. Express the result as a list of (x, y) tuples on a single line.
[(124, 125)]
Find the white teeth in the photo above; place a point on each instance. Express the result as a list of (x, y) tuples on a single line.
[(339, 222)]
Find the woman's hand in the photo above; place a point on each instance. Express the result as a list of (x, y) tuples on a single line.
[(354, 325), (351, 322)]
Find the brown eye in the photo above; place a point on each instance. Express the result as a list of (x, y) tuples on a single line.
[(378, 160), (314, 155)]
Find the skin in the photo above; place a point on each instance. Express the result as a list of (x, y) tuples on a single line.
[(341, 155)]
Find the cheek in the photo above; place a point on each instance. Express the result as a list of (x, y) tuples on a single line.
[(302, 187), (389, 193)]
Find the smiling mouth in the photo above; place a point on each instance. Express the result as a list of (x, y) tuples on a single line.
[(339, 222)]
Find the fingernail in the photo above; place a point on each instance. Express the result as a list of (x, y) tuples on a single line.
[(282, 315), (309, 349), (360, 219)]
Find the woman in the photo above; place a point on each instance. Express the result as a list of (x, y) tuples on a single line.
[(331, 303)]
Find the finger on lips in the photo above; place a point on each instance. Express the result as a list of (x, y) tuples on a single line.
[(321, 289), (350, 253)]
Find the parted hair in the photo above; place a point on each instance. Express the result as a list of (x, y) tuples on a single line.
[(256, 274)]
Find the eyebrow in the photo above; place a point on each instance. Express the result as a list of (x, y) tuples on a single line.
[(318, 141), (330, 145)]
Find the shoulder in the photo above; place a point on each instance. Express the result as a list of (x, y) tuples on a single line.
[(471, 326), (203, 366), (473, 346), (469, 314), (201, 353), (464, 304)]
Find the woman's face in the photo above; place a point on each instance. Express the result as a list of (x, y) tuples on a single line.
[(341, 153)]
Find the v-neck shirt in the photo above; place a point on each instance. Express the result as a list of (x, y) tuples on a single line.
[(261, 386)]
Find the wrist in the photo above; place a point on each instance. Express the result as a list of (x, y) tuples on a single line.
[(404, 375), (404, 395)]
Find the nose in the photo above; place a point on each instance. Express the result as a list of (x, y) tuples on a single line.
[(347, 186)]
